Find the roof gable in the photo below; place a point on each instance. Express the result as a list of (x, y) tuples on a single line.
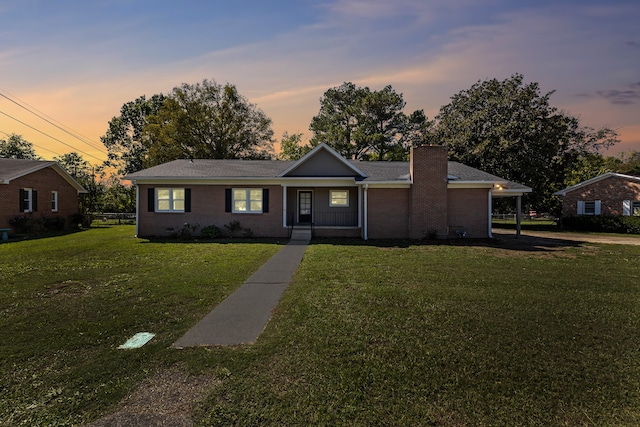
[(11, 169), (593, 180), (323, 161)]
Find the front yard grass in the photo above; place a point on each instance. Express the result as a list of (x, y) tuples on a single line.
[(384, 334)]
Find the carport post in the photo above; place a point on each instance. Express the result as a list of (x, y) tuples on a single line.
[(518, 212)]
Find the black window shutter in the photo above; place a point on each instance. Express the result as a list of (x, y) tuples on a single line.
[(151, 199), (23, 195), (34, 202), (187, 200), (227, 200), (265, 200)]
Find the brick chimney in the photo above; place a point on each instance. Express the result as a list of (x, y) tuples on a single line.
[(429, 169)]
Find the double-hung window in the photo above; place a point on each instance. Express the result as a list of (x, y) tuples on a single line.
[(170, 199), (54, 201), (630, 207), (339, 198), (28, 200), (589, 207), (247, 200)]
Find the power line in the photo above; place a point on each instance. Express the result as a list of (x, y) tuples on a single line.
[(47, 135), (35, 145), (57, 124)]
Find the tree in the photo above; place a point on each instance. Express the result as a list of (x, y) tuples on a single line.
[(118, 197), (123, 139), (17, 147), (509, 129), (338, 119), (364, 124), (83, 172), (207, 121), (628, 163), (291, 148)]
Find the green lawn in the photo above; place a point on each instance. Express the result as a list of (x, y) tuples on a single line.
[(366, 334)]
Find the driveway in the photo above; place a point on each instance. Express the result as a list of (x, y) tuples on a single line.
[(570, 236)]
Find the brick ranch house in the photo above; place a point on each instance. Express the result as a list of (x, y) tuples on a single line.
[(607, 194), (39, 188), (425, 197)]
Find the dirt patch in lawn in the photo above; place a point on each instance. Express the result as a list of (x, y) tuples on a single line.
[(167, 400)]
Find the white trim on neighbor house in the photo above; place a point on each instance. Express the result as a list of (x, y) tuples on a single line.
[(564, 191), (584, 207), (54, 201)]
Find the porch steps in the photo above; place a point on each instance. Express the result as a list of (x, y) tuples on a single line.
[(301, 234)]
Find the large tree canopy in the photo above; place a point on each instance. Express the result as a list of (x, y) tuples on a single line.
[(360, 123), (207, 120), (16, 147), (203, 120), (123, 138), (509, 129)]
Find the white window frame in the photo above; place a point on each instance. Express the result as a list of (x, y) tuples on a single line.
[(336, 205), (54, 201), (29, 194), (631, 208), (582, 207), (249, 202), (172, 199)]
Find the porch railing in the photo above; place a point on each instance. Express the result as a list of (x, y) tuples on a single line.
[(335, 219)]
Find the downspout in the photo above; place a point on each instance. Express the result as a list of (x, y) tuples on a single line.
[(489, 207), (137, 206), (366, 221), (284, 206)]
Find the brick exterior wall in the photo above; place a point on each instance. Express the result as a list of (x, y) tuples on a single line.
[(468, 208), (388, 213), (44, 182), (428, 205), (208, 208), (610, 191)]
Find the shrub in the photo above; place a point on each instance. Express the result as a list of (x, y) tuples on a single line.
[(81, 220), (188, 230), (52, 223), (603, 223), (233, 227), (22, 223), (211, 232)]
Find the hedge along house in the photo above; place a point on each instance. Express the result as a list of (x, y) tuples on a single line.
[(607, 194), (426, 197), (37, 188)]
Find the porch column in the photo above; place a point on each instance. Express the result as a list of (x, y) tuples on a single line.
[(490, 207), (365, 234), (518, 212), (284, 206)]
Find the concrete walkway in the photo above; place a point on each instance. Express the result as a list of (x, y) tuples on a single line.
[(243, 315)]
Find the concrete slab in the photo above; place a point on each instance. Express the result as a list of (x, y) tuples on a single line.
[(243, 315)]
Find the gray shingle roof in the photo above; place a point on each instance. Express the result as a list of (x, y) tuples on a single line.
[(14, 168), (376, 171)]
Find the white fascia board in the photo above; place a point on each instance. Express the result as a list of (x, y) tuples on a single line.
[(473, 184), (25, 172), (203, 181), (595, 179), (385, 184)]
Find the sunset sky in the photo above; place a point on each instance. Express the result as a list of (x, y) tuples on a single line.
[(77, 62)]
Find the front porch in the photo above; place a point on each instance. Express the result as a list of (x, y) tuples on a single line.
[(323, 208)]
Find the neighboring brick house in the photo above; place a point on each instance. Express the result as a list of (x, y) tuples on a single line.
[(607, 194), (425, 197), (39, 188)]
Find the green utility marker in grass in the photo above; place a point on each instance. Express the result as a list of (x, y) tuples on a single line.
[(137, 341)]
